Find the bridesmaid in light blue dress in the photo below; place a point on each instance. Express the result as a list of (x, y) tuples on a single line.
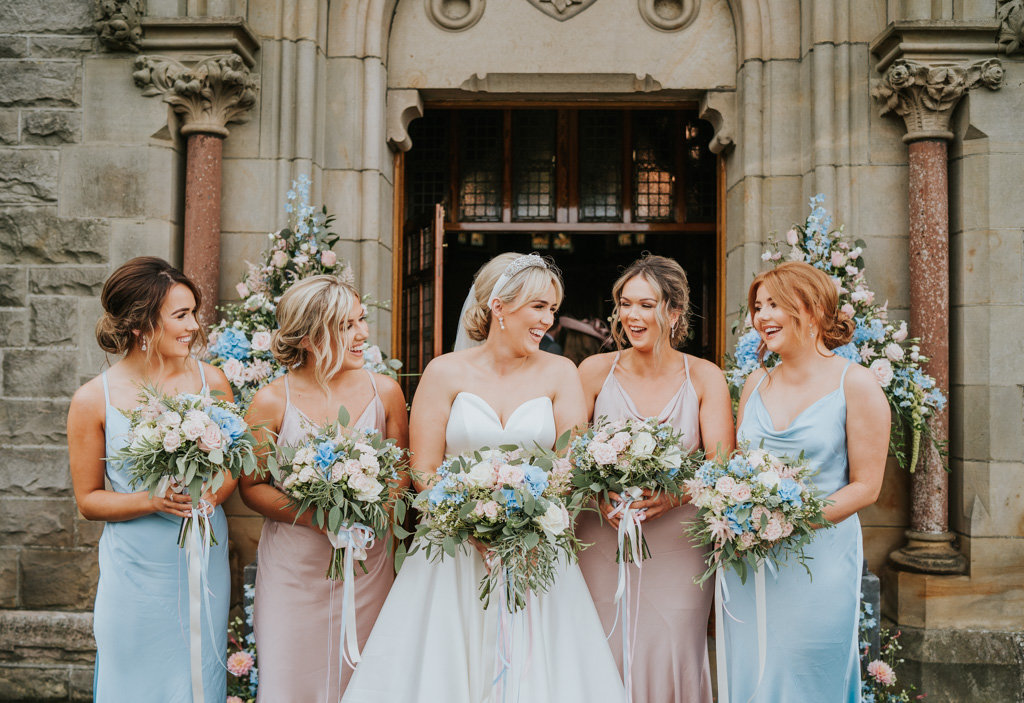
[(834, 412), (141, 615)]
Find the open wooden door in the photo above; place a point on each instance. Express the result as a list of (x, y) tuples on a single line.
[(422, 268)]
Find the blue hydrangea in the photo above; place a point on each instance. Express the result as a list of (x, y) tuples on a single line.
[(848, 351), (746, 350), (230, 424), (437, 495), (509, 498), (735, 524), (873, 331), (789, 491), (536, 479), (231, 344), (325, 455), (739, 467)]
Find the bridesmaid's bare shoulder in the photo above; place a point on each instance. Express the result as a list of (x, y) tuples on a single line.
[(595, 368), (706, 375)]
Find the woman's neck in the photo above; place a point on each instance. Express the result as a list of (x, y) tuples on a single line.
[(501, 358), (154, 368), (658, 361), (799, 362)]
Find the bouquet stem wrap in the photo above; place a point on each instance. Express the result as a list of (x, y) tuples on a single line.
[(630, 541)]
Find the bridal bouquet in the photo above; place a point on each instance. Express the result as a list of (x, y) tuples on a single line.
[(754, 506), (189, 441), (344, 476), (627, 456), (510, 499)]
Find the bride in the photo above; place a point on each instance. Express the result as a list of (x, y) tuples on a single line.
[(433, 640)]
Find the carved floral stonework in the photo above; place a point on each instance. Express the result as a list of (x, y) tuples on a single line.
[(1011, 25), (206, 92), (924, 95), (119, 23), (562, 9)]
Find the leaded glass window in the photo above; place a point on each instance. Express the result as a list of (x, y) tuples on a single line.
[(534, 135), (480, 165), (654, 176), (600, 159)]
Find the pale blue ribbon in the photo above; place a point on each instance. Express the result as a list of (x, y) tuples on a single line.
[(629, 526), (356, 539)]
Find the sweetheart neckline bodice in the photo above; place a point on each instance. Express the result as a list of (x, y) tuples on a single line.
[(465, 432)]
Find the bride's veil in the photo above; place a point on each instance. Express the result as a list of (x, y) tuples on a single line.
[(462, 338)]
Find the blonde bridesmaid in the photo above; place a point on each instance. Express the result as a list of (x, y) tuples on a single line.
[(649, 377), (321, 337)]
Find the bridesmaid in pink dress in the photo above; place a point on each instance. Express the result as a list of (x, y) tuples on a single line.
[(321, 335), (648, 377)]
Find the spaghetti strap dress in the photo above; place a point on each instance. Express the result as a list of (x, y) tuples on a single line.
[(297, 617), (669, 659), (811, 643), (141, 618)]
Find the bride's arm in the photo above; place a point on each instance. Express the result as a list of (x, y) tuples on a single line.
[(431, 405)]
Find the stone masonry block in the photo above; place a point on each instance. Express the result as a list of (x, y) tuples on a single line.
[(67, 280), (81, 683), (28, 176), (56, 17), (39, 373), (58, 578), (72, 47), (52, 319), (9, 577), (38, 236), (13, 327), (41, 522), (88, 533), (34, 472), (24, 421), (13, 46), (47, 636), (97, 181), (30, 83), (30, 683), (13, 286), (51, 126), (8, 127)]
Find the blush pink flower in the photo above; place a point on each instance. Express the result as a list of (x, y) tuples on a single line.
[(328, 258), (240, 663), (882, 672), (212, 438), (261, 340), (838, 259), (720, 529), (883, 371), (900, 334), (746, 540), (619, 441), (741, 492), (791, 237), (509, 474), (234, 699), (603, 453), (243, 290), (172, 440), (725, 485), (279, 259)]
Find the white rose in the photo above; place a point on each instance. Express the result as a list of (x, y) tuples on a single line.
[(768, 479), (883, 371), (366, 489), (307, 474), (306, 455), (554, 520), (193, 428), (172, 440), (169, 419), (145, 434), (893, 351), (261, 341), (480, 475), (369, 462), (289, 481), (643, 445), (672, 458)]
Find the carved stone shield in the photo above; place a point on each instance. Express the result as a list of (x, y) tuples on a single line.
[(561, 10)]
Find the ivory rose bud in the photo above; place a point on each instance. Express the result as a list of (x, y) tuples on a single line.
[(893, 352), (643, 445), (555, 519), (279, 259), (792, 237), (172, 440), (328, 258), (883, 371)]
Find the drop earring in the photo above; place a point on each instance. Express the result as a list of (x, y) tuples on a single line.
[(143, 345), (501, 322)]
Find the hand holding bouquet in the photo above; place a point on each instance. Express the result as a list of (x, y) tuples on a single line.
[(754, 506), (626, 457), (510, 500), (190, 440), (345, 477)]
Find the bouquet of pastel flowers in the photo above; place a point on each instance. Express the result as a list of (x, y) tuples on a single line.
[(754, 506), (188, 441), (345, 476), (511, 500), (627, 456)]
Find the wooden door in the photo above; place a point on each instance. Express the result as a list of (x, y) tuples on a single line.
[(423, 266)]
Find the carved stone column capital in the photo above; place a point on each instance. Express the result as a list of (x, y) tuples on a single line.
[(925, 94), (207, 92), (119, 23)]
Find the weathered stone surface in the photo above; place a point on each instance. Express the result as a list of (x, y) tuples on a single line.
[(13, 46), (97, 181), (39, 373), (40, 83), (24, 421), (61, 47), (58, 579), (13, 327), (34, 472), (58, 17), (9, 578), (51, 127), (46, 636), (13, 286), (9, 127), (24, 683), (81, 683), (38, 236), (52, 320), (67, 280), (88, 532), (28, 176), (42, 522)]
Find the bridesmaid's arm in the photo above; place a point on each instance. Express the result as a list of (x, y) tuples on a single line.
[(717, 431), (264, 416), (217, 381), (86, 449), (592, 371), (431, 406), (397, 418), (868, 422)]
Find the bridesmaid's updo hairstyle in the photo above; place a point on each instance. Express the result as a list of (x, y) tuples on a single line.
[(796, 286), (317, 309), (668, 279), (522, 285), (131, 300)]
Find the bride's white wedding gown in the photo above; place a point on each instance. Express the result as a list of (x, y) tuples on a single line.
[(434, 643)]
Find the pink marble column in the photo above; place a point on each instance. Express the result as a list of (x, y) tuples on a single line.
[(202, 219), (929, 546)]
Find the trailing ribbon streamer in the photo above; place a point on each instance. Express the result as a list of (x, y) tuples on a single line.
[(761, 612), (197, 554), (629, 527), (760, 608), (356, 539), (503, 643)]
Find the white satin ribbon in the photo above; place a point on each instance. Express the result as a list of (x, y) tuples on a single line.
[(197, 554), (760, 612), (356, 540), (629, 527)]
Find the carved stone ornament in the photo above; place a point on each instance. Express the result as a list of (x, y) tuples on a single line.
[(1011, 25), (455, 15), (207, 92), (561, 10), (924, 95), (669, 15), (119, 23)]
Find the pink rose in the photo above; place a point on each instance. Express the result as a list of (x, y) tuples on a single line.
[(211, 439), (725, 485), (279, 259), (512, 475), (883, 371), (235, 371), (328, 258), (852, 270), (791, 237), (243, 290), (787, 528), (900, 334), (193, 428), (603, 453), (741, 492), (240, 663), (172, 440), (893, 352), (261, 340), (847, 310), (772, 531), (838, 259), (619, 441), (746, 540), (757, 513)]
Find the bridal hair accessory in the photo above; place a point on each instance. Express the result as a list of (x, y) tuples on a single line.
[(517, 265)]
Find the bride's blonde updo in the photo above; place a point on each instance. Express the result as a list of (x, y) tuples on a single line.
[(523, 285), (315, 308)]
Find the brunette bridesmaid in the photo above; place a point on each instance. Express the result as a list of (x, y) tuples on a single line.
[(649, 377), (321, 337)]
